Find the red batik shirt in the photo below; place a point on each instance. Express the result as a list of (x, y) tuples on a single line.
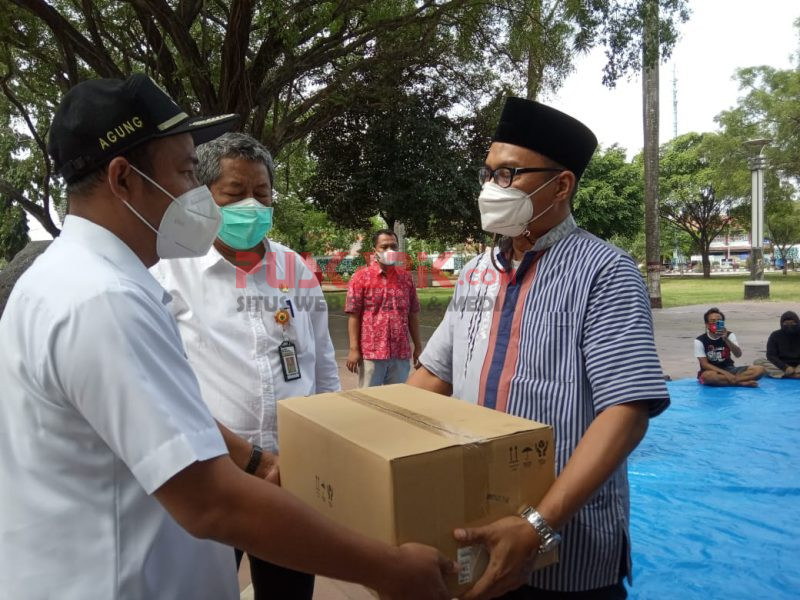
[(384, 300)]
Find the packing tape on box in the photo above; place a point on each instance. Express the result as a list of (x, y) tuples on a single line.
[(409, 416), (475, 456)]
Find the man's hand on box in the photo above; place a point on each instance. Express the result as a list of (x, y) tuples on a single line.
[(420, 574), (268, 468), (513, 545)]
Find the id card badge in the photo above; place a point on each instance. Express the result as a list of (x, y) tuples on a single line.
[(288, 354)]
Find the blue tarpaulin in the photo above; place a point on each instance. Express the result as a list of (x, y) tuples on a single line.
[(715, 495)]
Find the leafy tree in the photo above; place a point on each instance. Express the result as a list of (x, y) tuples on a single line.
[(609, 198), (770, 109), (287, 67), (535, 42), (783, 227), (306, 229), (13, 230), (690, 190), (407, 161)]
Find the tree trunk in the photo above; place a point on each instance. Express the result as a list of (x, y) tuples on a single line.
[(706, 263), (650, 64), (533, 82)]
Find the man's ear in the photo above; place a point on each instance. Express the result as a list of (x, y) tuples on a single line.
[(119, 175), (566, 183)]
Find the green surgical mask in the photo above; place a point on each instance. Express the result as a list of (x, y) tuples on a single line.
[(245, 223)]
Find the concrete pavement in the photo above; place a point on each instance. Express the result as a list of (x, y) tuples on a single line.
[(675, 329)]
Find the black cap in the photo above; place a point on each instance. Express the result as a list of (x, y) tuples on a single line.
[(99, 119), (548, 131)]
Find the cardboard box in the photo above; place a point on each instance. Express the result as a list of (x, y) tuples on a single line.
[(401, 464)]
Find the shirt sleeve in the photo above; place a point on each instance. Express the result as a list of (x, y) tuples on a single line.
[(732, 338), (118, 358), (618, 344), (438, 354), (354, 303), (699, 351)]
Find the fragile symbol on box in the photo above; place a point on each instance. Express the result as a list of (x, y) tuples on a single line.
[(324, 491), (513, 455), (541, 450)]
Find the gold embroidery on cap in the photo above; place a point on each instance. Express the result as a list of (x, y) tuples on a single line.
[(208, 120), (120, 132), (172, 121)]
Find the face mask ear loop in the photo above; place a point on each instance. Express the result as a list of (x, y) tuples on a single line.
[(136, 212), (171, 197), (491, 255)]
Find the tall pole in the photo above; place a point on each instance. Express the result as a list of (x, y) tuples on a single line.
[(757, 287), (650, 108)]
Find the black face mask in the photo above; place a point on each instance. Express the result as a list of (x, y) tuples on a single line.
[(791, 329)]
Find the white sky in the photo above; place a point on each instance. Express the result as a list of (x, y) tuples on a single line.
[(720, 36)]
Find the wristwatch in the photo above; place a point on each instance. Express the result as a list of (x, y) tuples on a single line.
[(255, 459), (548, 539)]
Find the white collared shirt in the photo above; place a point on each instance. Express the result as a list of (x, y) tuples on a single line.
[(99, 408), (227, 321)]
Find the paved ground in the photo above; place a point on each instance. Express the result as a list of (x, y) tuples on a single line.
[(675, 328)]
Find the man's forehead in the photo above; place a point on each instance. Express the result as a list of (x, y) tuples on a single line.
[(233, 167), (505, 152)]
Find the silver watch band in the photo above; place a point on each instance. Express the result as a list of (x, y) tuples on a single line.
[(548, 538)]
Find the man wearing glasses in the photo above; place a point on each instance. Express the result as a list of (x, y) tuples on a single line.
[(562, 335)]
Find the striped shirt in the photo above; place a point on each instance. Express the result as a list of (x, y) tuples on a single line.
[(566, 336)]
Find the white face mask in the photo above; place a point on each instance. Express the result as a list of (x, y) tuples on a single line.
[(189, 225), (508, 211), (390, 257)]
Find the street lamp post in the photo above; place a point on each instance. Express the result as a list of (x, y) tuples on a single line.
[(757, 287)]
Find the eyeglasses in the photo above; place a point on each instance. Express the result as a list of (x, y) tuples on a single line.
[(503, 176)]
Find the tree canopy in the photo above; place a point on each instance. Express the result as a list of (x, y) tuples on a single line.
[(609, 200)]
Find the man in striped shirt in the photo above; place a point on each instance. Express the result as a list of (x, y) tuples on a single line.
[(552, 325)]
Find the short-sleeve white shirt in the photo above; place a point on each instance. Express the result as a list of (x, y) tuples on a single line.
[(99, 409), (227, 321)]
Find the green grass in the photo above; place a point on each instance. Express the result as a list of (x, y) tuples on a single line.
[(675, 291), (682, 291)]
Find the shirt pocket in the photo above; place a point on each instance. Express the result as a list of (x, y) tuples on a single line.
[(553, 347), (374, 299)]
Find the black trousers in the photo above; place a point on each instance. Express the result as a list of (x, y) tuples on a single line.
[(273, 582), (526, 592)]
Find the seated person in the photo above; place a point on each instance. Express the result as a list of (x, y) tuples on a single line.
[(713, 350), (783, 349)]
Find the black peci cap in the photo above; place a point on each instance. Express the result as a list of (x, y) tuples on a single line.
[(547, 131), (99, 119)]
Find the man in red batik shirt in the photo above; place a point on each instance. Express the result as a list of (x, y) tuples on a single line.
[(383, 307)]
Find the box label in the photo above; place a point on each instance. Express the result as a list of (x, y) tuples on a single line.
[(468, 559)]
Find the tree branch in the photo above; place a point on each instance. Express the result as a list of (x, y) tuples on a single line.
[(71, 38), (180, 33), (37, 211)]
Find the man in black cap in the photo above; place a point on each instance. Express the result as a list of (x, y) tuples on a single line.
[(116, 480), (552, 324), (783, 349)]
